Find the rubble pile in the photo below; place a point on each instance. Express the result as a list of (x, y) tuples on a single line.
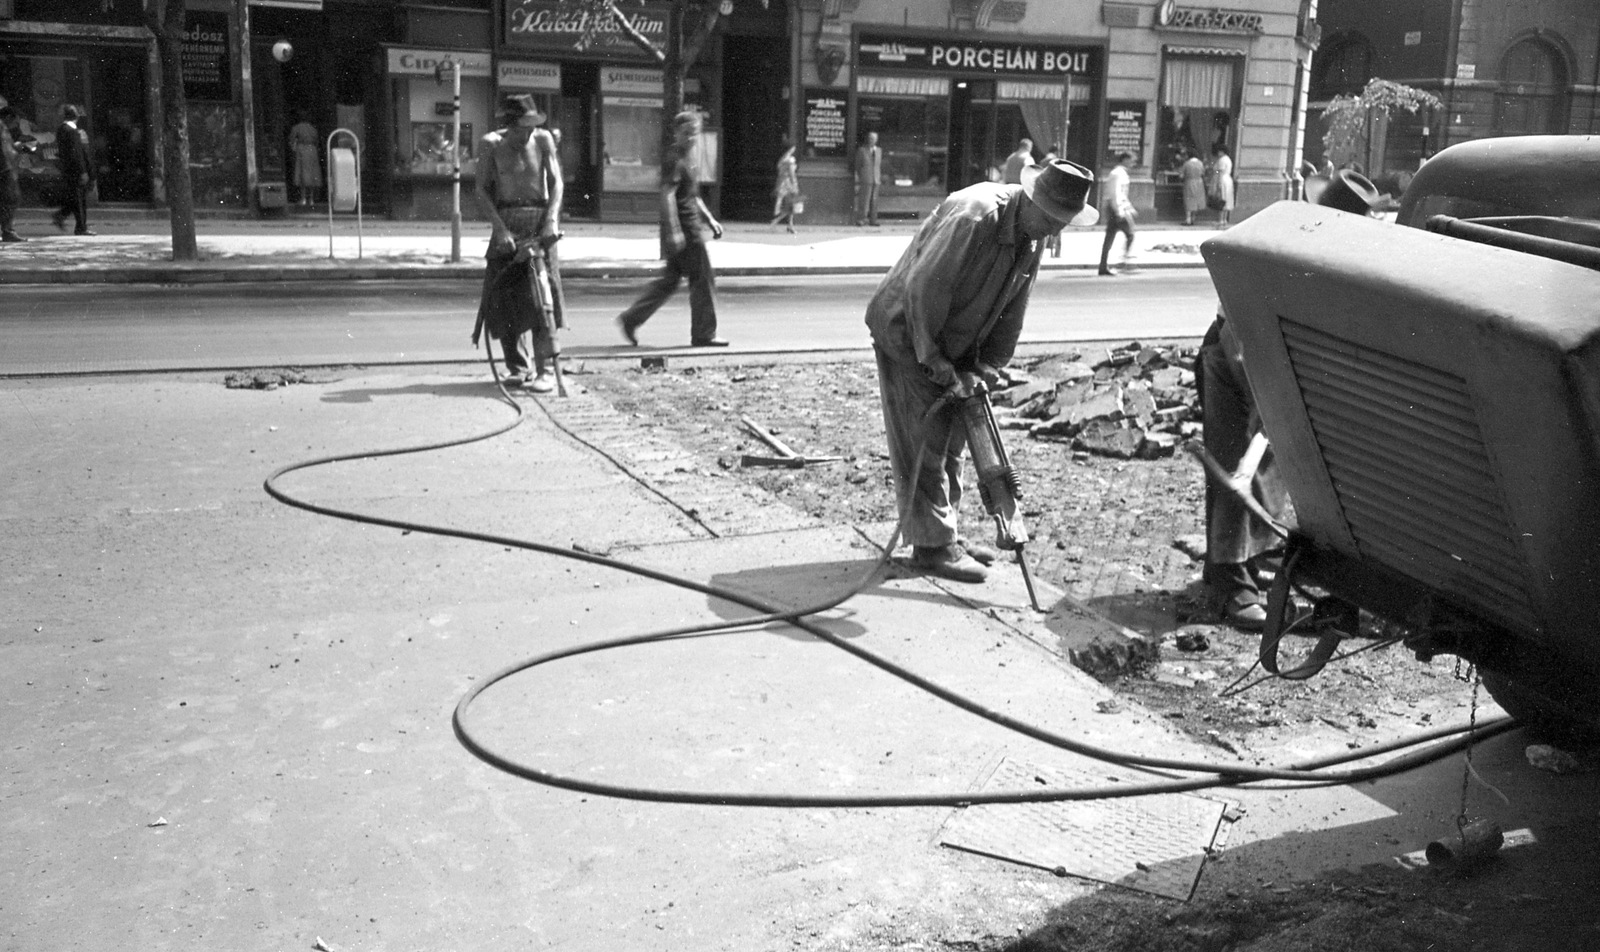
[(1132, 402)]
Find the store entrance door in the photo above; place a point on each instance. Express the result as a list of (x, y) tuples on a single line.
[(573, 115), (755, 120)]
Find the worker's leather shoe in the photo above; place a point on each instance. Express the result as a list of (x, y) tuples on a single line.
[(540, 383), (709, 342), (948, 561), (984, 554), (1246, 612)]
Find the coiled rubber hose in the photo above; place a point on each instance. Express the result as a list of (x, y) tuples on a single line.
[(1202, 774)]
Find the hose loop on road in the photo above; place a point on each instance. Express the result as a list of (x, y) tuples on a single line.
[(1203, 773)]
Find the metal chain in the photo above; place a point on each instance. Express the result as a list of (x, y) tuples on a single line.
[(1472, 725)]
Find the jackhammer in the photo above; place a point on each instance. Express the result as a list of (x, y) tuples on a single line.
[(998, 483), (537, 253)]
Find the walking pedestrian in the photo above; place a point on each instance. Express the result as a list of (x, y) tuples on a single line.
[(10, 189), (519, 189), (303, 145), (77, 172), (1222, 184), (868, 171), (944, 321), (1193, 174), (686, 226), (1017, 161), (787, 189), (1118, 212)]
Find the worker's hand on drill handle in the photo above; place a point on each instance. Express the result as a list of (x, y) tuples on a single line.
[(544, 242), (962, 384)]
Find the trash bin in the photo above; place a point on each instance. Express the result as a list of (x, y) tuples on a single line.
[(344, 182)]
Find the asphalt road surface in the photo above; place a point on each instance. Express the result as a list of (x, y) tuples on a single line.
[(123, 328)]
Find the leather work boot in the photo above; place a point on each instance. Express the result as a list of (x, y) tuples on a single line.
[(949, 562), (539, 383), (1245, 611), (985, 554)]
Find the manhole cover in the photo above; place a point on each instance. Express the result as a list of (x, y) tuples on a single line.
[(1155, 844)]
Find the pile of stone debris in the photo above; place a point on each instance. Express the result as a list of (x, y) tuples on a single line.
[(1132, 402)]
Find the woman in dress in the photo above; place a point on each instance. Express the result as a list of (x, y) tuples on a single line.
[(1223, 169), (303, 142), (1193, 173), (787, 190)]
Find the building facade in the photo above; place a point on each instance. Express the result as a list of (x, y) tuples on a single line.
[(1498, 69), (949, 86)]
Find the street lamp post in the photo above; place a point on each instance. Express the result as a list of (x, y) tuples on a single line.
[(453, 66)]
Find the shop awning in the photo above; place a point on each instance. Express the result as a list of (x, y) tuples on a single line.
[(1202, 51)]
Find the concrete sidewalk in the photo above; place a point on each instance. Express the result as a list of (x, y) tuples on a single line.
[(227, 721), (128, 250)]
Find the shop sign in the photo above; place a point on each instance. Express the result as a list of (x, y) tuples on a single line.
[(405, 61), (1126, 133), (886, 51), (823, 124), (540, 77), (207, 63), (630, 79), (1170, 16), (558, 27)]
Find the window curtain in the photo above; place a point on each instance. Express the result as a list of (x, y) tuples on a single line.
[(1043, 111), (1200, 83)]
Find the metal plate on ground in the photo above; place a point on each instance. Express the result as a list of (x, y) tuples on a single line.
[(1155, 844)]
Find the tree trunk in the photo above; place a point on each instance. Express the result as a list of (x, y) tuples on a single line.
[(165, 19), (672, 69)]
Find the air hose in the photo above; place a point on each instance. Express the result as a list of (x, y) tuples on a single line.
[(1309, 773)]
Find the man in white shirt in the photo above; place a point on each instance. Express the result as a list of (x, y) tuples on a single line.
[(1117, 211)]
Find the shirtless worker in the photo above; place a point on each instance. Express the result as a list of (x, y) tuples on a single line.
[(519, 189)]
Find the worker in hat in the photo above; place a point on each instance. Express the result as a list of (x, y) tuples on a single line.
[(945, 320), (1241, 550), (519, 189)]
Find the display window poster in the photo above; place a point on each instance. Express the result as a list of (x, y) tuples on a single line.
[(823, 124), (1125, 128), (207, 57)]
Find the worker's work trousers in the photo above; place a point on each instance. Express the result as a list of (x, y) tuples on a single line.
[(929, 497), (691, 263), (1233, 534)]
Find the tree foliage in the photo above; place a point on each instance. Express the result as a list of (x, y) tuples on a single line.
[(690, 24), (1349, 117)]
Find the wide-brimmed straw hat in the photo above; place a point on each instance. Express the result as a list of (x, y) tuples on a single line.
[(1061, 188)]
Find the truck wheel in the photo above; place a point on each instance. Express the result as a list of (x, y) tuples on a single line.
[(1540, 714)]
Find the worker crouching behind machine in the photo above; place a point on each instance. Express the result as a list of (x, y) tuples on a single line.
[(1240, 546), (945, 321)]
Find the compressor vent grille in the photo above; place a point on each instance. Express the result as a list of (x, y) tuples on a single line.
[(1411, 472)]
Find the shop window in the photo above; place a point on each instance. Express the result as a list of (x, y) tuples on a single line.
[(425, 130), (631, 130), (1532, 97), (911, 116), (1199, 108)]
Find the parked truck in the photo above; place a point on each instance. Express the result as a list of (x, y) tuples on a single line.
[(1431, 390)]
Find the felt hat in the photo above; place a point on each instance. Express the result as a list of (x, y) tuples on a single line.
[(517, 105), (1350, 191), (1061, 188)]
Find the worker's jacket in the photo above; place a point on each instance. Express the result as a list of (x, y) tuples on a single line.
[(957, 296)]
